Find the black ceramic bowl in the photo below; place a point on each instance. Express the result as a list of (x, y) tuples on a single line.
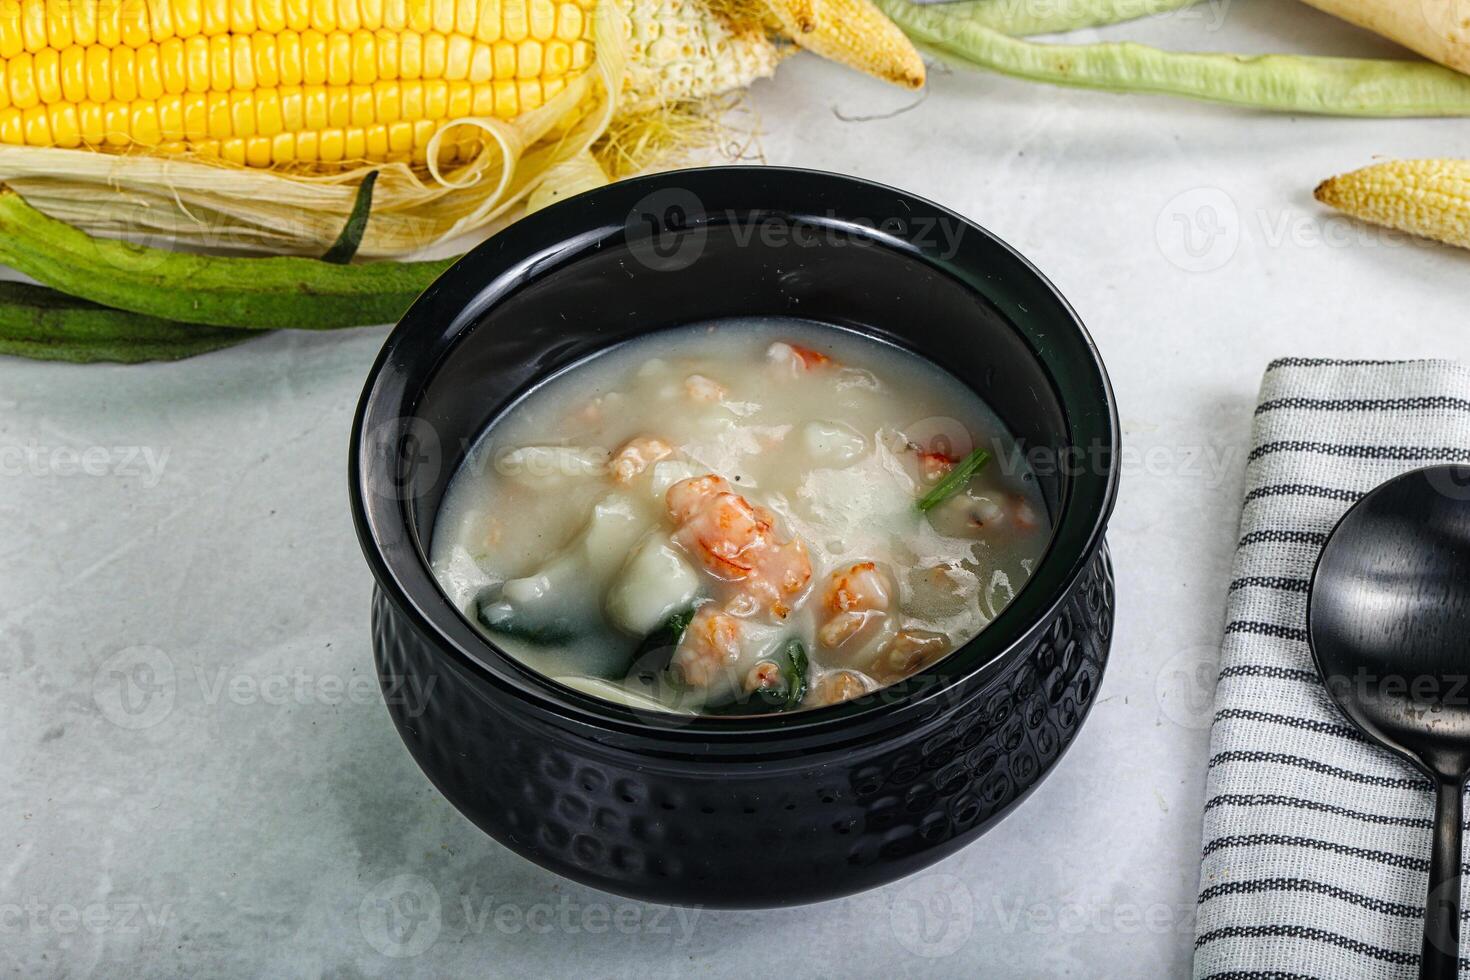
[(736, 811)]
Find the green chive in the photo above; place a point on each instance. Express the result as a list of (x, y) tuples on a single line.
[(954, 481)]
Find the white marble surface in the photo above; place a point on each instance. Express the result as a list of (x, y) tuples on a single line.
[(193, 517)]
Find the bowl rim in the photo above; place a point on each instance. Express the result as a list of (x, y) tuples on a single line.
[(557, 236)]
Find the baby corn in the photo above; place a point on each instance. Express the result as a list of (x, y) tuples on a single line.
[(1424, 197)]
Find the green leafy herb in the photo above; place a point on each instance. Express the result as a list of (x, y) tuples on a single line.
[(954, 481)]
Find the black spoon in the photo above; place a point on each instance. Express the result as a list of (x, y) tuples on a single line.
[(1389, 622)]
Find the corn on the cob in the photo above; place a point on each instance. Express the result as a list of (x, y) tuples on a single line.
[(1424, 197), (267, 82), (264, 82)]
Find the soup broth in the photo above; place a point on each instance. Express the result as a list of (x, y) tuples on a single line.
[(737, 518)]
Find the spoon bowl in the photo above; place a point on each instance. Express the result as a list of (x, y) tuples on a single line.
[(1388, 619)]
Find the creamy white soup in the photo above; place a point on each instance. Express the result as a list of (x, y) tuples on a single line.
[(740, 518)]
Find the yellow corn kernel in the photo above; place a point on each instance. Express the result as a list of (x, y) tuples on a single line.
[(290, 58), (314, 108), (188, 18), (217, 114), (98, 73), (242, 113), (308, 147), (268, 119), (150, 72), (339, 58), (505, 97), (171, 66), (298, 14), (386, 44), (542, 19), (313, 58), (143, 124), (232, 151), (292, 120), (265, 65), (171, 118), (528, 59), (195, 109), (36, 125), (160, 19), (339, 106), (58, 25), (324, 15), (242, 17), (270, 16), (348, 16), (420, 15), (46, 66), (435, 47), (64, 128), (133, 25), (124, 74), (411, 101), (372, 14), (353, 144), (216, 17), (33, 24), (258, 151), (4, 88), (221, 59), (22, 78), (330, 145), (196, 63), (242, 67), (360, 104), (436, 100), (12, 35), (387, 99), (283, 148), (11, 130), (410, 55), (115, 121), (457, 52), (395, 14), (364, 58), (375, 142), (91, 122), (487, 21), (515, 20), (569, 22)]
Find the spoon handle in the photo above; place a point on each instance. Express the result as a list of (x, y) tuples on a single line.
[(1440, 957)]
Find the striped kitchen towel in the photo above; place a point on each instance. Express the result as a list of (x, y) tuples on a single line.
[(1316, 844)]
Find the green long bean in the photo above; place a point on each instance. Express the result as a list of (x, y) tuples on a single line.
[(1281, 82), (44, 324), (1023, 17)]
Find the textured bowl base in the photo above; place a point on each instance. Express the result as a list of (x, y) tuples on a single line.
[(692, 831)]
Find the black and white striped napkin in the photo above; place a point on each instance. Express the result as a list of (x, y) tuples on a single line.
[(1316, 844)]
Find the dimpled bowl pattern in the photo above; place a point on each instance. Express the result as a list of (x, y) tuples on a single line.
[(683, 829), (773, 809)]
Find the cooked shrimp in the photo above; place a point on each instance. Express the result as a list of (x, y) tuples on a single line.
[(710, 647), (764, 676), (855, 603), (737, 542), (796, 357), (1023, 515), (637, 455), (933, 466), (836, 686), (910, 650), (703, 389)]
